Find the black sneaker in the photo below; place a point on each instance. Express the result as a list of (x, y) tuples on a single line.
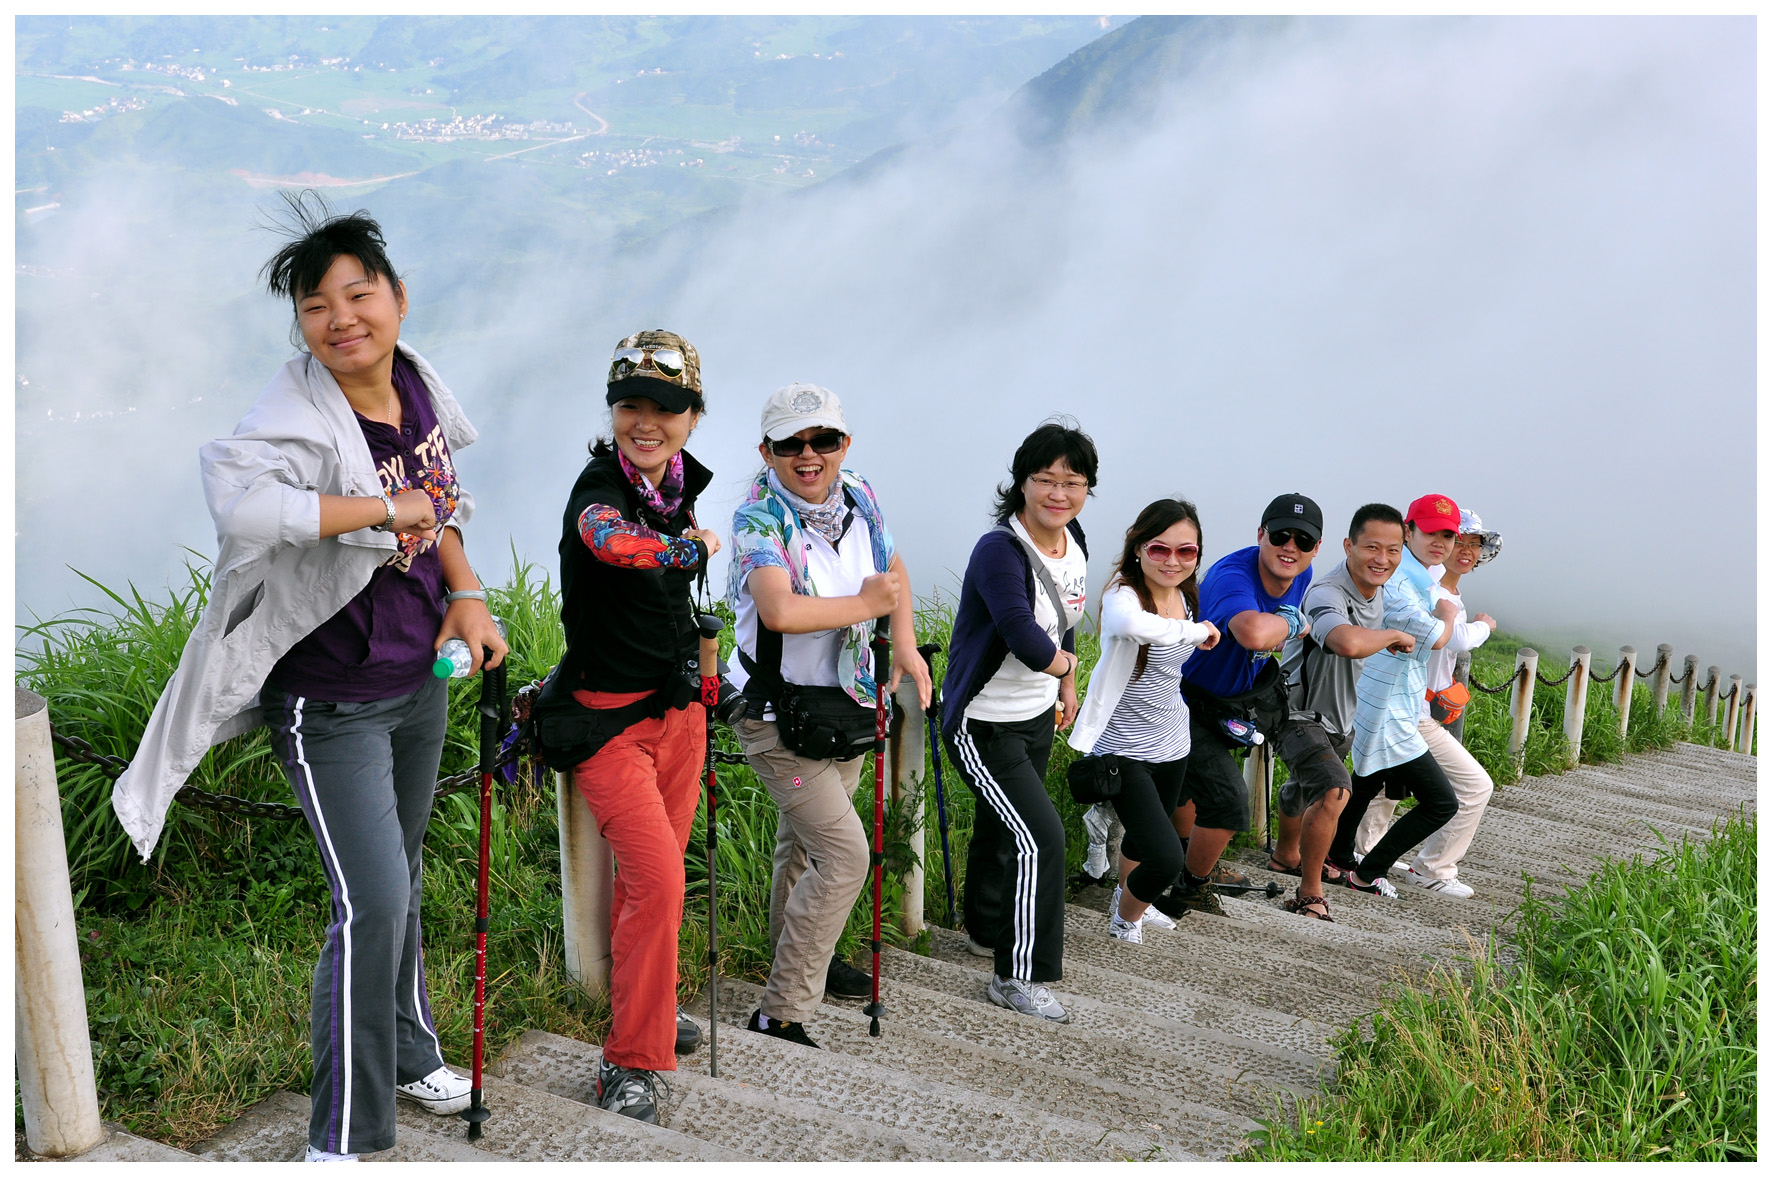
[(688, 1033), (787, 1031), (628, 1091), (844, 980)]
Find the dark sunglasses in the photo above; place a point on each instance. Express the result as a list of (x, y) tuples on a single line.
[(1279, 538), (793, 447), (666, 361)]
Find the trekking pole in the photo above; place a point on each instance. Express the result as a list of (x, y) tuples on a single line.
[(495, 717), (941, 808), (882, 650), (709, 664)]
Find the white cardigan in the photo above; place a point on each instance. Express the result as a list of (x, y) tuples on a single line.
[(1125, 626)]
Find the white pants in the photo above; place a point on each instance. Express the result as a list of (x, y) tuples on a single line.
[(1439, 855)]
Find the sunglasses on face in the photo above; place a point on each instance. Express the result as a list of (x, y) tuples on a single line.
[(1163, 553), (666, 361), (793, 447), (1280, 539)]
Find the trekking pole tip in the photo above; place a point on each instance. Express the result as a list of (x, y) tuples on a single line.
[(874, 1028)]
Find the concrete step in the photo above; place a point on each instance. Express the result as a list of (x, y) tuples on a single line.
[(121, 1145), (1061, 1083), (788, 1091)]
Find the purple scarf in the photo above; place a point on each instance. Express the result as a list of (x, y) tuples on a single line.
[(668, 497)]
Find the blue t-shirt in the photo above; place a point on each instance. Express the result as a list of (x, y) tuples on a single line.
[(1230, 587)]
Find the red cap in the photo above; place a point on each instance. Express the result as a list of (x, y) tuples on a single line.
[(1433, 513)]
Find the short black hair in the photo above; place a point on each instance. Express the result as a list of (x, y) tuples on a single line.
[(1373, 513), (1055, 439), (319, 237)]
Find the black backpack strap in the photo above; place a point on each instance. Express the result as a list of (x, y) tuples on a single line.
[(765, 669)]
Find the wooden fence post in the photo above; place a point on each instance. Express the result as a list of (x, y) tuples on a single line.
[(1689, 688), (1624, 686), (1747, 722), (1256, 774), (1575, 703), (907, 751), (1732, 712), (1520, 707), (587, 878), (1664, 672), (1711, 684), (53, 1046)]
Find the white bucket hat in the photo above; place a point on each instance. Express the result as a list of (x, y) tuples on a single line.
[(801, 406), (1470, 523)]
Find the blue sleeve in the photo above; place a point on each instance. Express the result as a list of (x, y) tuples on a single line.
[(1402, 611), (1228, 590), (1001, 575)]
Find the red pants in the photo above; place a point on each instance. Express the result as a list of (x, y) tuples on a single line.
[(642, 788)]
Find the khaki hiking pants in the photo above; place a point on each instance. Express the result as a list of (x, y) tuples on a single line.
[(1439, 856), (821, 865)]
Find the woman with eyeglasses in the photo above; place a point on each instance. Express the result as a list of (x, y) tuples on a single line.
[(341, 572), (812, 566), (630, 551), (1134, 711), (1011, 683)]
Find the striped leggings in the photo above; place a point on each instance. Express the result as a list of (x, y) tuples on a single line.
[(1014, 898), (364, 774)]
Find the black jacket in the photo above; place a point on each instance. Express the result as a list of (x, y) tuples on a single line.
[(627, 629)]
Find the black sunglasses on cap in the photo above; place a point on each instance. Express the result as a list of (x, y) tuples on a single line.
[(793, 447), (1279, 539)]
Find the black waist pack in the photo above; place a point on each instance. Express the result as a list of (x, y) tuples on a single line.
[(1263, 704), (569, 733), (823, 723), (1094, 778)]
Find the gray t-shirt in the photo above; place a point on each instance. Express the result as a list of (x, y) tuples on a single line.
[(1320, 685)]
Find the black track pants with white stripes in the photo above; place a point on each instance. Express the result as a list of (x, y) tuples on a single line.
[(1015, 866), (364, 774)]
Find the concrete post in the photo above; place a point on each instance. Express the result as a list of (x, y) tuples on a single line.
[(1575, 703), (1256, 773), (1732, 711), (1747, 722), (907, 749), (1520, 707), (1624, 686), (587, 876), (1713, 680), (1461, 668), (53, 1049), (1689, 688), (1664, 672)]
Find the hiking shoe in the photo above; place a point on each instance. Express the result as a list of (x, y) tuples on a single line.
[(688, 1033), (628, 1091), (1381, 887), (442, 1092), (1026, 997), (1180, 899), (1157, 919), (1095, 823), (320, 1154), (1226, 876), (776, 1028), (844, 980), (977, 949), (1451, 888), (1119, 929)]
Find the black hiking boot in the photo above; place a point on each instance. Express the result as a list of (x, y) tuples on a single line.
[(787, 1031), (844, 980)]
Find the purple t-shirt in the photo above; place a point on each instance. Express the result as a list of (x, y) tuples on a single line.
[(382, 644)]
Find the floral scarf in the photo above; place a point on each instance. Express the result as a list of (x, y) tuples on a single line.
[(669, 496)]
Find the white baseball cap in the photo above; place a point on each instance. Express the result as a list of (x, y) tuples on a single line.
[(801, 406)]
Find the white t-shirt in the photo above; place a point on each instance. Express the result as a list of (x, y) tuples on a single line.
[(810, 659), (1016, 691), (1466, 635)]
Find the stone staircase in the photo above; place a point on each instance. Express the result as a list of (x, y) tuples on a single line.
[(1175, 1047)]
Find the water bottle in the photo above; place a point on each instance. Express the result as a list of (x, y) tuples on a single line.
[(455, 660), (1242, 731)]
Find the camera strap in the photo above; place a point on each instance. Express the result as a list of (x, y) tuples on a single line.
[(1044, 576)]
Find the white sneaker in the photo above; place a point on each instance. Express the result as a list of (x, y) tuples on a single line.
[(1382, 886), (1451, 888), (1095, 823), (1119, 929), (1026, 997), (1157, 919), (316, 1154), (442, 1092)]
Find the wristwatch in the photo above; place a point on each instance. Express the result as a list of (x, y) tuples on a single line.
[(388, 523)]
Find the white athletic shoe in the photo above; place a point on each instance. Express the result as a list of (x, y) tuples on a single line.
[(1382, 886), (1157, 919), (1451, 888), (442, 1092), (316, 1154), (1026, 997), (1119, 929)]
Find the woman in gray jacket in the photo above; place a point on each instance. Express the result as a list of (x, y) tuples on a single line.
[(341, 572)]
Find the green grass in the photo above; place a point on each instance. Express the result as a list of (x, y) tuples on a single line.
[(1625, 1032), (198, 965)]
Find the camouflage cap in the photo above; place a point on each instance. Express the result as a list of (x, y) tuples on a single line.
[(648, 374)]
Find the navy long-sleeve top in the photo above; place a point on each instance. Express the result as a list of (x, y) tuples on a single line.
[(996, 619)]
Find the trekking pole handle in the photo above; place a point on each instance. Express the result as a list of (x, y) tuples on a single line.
[(709, 656)]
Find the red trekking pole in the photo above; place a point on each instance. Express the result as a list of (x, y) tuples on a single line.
[(495, 717), (709, 659), (882, 649)]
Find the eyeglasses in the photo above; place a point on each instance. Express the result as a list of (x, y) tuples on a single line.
[(1472, 543), (821, 443), (1163, 553), (666, 361), (1281, 538), (1071, 488)]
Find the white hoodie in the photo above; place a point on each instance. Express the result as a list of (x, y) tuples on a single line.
[(275, 580), (1125, 626)]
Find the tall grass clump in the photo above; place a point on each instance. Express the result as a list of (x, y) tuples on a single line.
[(1626, 1031)]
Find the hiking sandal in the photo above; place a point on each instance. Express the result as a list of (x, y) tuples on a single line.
[(1331, 872), (1313, 907)]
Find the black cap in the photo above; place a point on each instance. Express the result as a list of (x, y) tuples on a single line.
[(1294, 512)]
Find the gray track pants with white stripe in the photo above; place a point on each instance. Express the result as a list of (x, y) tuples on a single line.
[(364, 774)]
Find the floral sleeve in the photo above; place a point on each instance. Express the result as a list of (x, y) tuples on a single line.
[(626, 544)]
